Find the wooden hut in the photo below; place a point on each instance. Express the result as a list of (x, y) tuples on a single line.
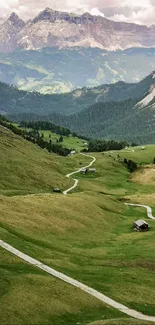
[(56, 190), (141, 225), (92, 170)]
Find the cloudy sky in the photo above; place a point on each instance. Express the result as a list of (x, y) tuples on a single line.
[(137, 11)]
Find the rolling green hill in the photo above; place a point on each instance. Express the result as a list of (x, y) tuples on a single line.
[(26, 168), (54, 134), (71, 142), (87, 235)]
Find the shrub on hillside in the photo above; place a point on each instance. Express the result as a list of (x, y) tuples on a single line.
[(130, 164)]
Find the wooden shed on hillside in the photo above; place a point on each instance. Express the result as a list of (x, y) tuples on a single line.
[(83, 171), (86, 170), (92, 170), (141, 225), (56, 190), (73, 152)]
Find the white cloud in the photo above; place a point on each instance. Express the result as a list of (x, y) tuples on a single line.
[(138, 11), (137, 3), (96, 12), (145, 16)]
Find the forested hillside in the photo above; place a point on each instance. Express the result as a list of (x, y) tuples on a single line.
[(113, 120), (16, 102), (108, 111), (110, 120), (116, 120)]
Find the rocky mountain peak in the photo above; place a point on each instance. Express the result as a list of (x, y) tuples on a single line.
[(47, 14), (13, 17), (16, 21), (51, 15), (51, 28)]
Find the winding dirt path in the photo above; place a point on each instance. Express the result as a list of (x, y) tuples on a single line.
[(149, 210), (73, 282), (78, 171), (76, 283)]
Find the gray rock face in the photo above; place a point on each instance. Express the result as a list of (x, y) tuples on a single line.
[(16, 21), (61, 29), (9, 33)]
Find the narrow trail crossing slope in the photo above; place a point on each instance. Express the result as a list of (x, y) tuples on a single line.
[(148, 209), (75, 283), (78, 171)]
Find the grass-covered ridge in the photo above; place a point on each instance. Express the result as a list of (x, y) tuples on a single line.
[(86, 235), (26, 168), (55, 134)]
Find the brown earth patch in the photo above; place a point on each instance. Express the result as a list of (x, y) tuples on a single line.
[(144, 175)]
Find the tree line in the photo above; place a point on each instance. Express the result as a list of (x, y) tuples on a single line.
[(46, 125), (35, 137), (99, 145)]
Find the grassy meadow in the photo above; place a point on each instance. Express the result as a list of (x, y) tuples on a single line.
[(137, 154), (69, 142), (87, 235), (30, 296), (123, 321), (27, 169)]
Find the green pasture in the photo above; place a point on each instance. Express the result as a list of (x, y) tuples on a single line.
[(87, 235)]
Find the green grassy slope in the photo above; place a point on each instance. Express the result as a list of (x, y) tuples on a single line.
[(25, 168), (121, 322), (87, 235), (68, 142), (29, 296), (140, 154)]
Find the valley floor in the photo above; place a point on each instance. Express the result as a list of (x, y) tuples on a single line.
[(86, 235)]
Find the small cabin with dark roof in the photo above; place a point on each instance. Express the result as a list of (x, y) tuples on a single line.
[(83, 171), (86, 170), (56, 190), (92, 170), (141, 225)]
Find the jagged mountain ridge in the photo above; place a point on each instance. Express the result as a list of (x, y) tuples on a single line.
[(9, 33), (61, 29)]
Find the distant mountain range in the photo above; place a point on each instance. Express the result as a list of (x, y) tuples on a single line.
[(61, 29), (57, 52), (119, 111)]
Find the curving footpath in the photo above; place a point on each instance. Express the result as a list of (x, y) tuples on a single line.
[(149, 210), (75, 283), (78, 171)]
